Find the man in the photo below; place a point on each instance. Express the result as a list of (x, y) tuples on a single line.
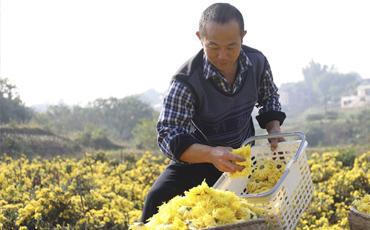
[(207, 108)]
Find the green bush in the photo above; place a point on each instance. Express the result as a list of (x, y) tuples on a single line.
[(315, 117)]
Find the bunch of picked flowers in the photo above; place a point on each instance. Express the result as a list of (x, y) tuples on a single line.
[(201, 207)]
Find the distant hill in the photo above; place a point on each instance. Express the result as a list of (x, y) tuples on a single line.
[(152, 97), (38, 142)]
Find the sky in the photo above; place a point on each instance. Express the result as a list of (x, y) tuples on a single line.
[(76, 51)]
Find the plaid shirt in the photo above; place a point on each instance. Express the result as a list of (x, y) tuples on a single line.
[(178, 105)]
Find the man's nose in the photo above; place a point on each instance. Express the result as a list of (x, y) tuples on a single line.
[(222, 54)]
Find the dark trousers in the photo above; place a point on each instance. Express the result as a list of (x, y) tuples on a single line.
[(175, 180)]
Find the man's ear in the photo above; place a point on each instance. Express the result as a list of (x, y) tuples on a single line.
[(245, 32), (198, 35)]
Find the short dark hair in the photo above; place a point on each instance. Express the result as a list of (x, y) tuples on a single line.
[(221, 13)]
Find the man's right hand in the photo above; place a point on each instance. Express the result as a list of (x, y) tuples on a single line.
[(220, 157)]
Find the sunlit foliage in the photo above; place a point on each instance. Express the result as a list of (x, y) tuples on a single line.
[(101, 193), (92, 193)]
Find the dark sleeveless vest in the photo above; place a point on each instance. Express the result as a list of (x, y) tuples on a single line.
[(223, 119)]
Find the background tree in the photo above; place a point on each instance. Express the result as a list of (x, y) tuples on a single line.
[(145, 133), (11, 106), (118, 117), (328, 85), (122, 115)]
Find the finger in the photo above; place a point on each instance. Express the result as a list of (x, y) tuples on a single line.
[(234, 167), (231, 166), (281, 139), (274, 144), (233, 157), (229, 156)]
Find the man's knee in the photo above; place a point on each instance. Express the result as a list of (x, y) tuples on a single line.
[(162, 194)]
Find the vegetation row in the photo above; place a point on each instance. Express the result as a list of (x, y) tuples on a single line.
[(96, 192)]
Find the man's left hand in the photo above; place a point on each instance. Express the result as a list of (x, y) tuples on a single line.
[(274, 127)]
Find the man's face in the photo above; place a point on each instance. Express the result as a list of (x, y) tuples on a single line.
[(222, 44)]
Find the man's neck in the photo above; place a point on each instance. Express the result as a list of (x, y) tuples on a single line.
[(230, 74)]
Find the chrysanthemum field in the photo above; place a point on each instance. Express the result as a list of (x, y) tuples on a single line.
[(100, 193)]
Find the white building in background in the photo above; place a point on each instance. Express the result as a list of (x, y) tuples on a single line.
[(361, 99)]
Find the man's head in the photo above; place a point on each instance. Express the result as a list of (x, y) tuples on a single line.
[(221, 32), (221, 13)]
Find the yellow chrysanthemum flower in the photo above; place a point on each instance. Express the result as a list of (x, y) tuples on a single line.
[(186, 212), (244, 151), (224, 216), (265, 176), (366, 198), (362, 204), (263, 170), (208, 221), (365, 208), (194, 224), (178, 224)]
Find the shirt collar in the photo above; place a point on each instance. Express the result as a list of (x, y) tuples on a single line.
[(209, 70)]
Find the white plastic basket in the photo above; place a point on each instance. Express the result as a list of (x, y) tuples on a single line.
[(288, 199)]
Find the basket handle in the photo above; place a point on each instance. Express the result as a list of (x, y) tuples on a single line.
[(277, 135)]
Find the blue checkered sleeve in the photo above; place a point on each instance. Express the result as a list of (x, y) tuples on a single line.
[(268, 98), (175, 117)]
